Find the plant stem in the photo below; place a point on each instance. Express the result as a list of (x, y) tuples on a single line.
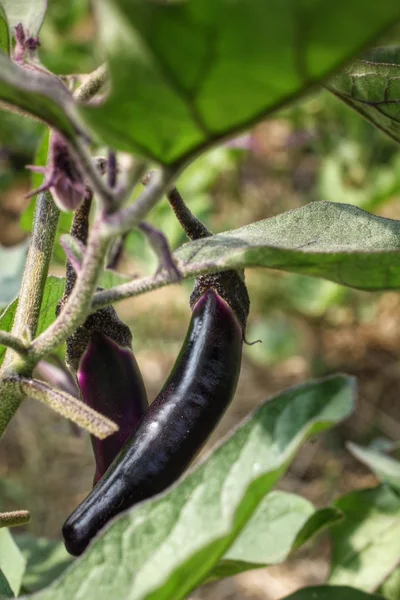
[(14, 518), (66, 405), (191, 225), (148, 284), (92, 84), (78, 304), (13, 342), (128, 218), (35, 274), (30, 299), (105, 227)]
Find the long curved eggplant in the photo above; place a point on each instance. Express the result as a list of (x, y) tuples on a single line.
[(175, 427)]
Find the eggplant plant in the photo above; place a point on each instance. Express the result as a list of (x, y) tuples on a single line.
[(173, 80)]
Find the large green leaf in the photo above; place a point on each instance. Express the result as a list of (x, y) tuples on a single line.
[(386, 468), (339, 242), (281, 523), (45, 560), (366, 544), (12, 563), (186, 74), (325, 592), (52, 293), (28, 12), (372, 88), (163, 548)]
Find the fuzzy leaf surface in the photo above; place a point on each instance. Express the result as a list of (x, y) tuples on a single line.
[(188, 74), (339, 242)]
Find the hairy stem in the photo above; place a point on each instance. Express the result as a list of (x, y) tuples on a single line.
[(92, 84), (66, 405), (14, 518), (127, 218), (11, 341), (148, 284), (191, 225), (36, 267), (78, 304), (30, 299)]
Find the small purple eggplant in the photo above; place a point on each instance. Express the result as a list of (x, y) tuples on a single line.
[(176, 425), (111, 383)]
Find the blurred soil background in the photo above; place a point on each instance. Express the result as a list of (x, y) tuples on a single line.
[(317, 150)]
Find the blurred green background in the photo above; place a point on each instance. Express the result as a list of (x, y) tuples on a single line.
[(317, 150)]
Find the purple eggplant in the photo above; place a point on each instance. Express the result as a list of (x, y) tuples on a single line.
[(176, 425), (110, 382)]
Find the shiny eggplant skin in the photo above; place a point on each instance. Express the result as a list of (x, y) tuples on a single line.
[(175, 427), (110, 382)]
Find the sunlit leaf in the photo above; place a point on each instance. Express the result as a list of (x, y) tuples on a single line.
[(12, 563), (187, 74), (165, 547), (339, 242), (366, 544), (387, 469)]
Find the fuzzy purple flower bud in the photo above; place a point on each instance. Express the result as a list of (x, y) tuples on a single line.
[(62, 177), (111, 383)]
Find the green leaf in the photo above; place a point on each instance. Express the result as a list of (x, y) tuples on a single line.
[(4, 31), (324, 592), (320, 520), (12, 563), (281, 522), (12, 261), (5, 590), (46, 560), (390, 589), (163, 548), (366, 545), (28, 12), (40, 94), (53, 292), (187, 74), (372, 88), (387, 469), (339, 242)]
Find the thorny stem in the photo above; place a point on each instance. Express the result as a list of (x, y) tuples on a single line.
[(92, 84), (14, 518)]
